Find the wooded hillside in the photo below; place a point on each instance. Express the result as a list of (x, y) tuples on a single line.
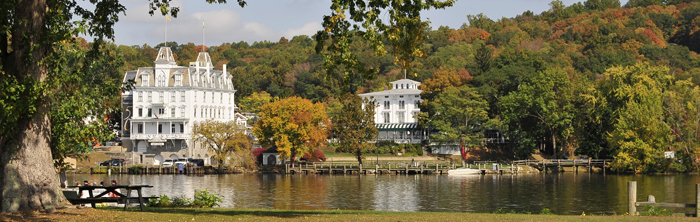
[(595, 78)]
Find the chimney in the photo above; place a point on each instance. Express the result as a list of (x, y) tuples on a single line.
[(224, 69)]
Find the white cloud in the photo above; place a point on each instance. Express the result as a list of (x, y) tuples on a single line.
[(308, 29)]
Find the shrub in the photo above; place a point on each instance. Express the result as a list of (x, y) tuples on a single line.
[(181, 201), (655, 211), (205, 199), (163, 201), (258, 155), (136, 168), (319, 156), (546, 211)]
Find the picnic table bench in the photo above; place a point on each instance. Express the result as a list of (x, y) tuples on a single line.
[(74, 198)]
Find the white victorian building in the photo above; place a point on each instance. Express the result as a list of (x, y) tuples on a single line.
[(167, 100), (395, 114)]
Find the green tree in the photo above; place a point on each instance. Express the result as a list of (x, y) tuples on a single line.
[(254, 102), (682, 114), (403, 30), (225, 139), (355, 125), (546, 99), (32, 70), (81, 102), (294, 125), (638, 135), (457, 114)]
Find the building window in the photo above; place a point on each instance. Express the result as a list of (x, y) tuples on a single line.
[(178, 80), (401, 116), (160, 128), (402, 105), (160, 96), (149, 96), (182, 111), (386, 104), (417, 104), (172, 112), (182, 96), (221, 99), (161, 80), (172, 128), (182, 128), (172, 97), (195, 112), (168, 146), (139, 95), (144, 80), (400, 96), (386, 117), (149, 112), (140, 112), (139, 128)]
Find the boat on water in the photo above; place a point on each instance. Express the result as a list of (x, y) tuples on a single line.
[(463, 171)]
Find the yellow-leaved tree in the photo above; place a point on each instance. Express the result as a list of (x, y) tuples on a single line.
[(225, 139), (295, 125)]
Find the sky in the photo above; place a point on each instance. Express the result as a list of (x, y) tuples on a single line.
[(270, 20)]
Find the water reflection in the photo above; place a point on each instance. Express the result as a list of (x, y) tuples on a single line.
[(562, 193)]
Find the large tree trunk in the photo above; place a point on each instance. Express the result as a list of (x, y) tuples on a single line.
[(28, 178)]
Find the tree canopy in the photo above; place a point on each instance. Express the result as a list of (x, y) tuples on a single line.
[(354, 125), (227, 140), (294, 125)]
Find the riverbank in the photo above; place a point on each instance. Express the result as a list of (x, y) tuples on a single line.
[(221, 214)]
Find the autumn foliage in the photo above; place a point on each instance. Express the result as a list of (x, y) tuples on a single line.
[(295, 125)]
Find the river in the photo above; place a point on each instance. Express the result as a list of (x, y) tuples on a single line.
[(565, 193)]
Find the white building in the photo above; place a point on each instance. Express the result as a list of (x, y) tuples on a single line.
[(395, 114), (167, 100)]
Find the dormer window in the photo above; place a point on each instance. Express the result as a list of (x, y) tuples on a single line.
[(144, 79), (178, 79)]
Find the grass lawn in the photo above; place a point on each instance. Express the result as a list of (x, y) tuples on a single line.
[(329, 153), (257, 215)]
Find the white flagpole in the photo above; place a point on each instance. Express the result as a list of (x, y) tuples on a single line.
[(166, 32), (204, 44)]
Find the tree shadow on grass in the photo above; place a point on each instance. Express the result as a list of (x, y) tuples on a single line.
[(248, 212)]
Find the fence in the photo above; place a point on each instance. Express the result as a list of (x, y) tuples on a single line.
[(633, 204)]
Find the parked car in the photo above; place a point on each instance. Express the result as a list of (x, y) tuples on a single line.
[(196, 162), (168, 162), (113, 162), (182, 161)]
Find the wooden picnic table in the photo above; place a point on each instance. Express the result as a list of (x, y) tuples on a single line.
[(110, 189)]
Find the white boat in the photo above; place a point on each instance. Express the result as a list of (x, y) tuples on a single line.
[(463, 171)]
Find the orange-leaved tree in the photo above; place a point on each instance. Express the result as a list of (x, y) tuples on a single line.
[(294, 125)]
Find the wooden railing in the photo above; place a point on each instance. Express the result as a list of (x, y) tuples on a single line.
[(651, 201)]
